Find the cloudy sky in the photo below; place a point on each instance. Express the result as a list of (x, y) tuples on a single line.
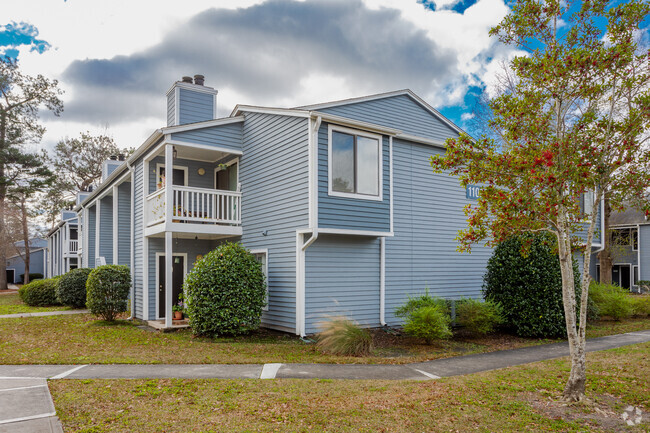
[(116, 59)]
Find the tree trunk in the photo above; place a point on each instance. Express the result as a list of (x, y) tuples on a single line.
[(23, 216), (3, 196), (575, 386), (605, 256)]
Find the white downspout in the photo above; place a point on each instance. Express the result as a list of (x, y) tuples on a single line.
[(131, 232)]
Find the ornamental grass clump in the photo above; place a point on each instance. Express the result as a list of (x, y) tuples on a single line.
[(39, 293), (225, 292), (342, 336), (71, 287), (479, 317), (429, 323), (108, 289)]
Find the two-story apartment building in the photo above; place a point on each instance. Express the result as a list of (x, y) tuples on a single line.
[(630, 249), (337, 200)]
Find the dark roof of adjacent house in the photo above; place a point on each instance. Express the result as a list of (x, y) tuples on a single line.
[(33, 243), (630, 216)]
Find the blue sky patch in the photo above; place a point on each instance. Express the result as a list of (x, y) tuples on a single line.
[(15, 35)]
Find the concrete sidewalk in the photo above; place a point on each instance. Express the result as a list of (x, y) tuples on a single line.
[(43, 313), (417, 371)]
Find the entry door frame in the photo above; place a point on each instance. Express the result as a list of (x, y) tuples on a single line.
[(630, 273), (158, 255)]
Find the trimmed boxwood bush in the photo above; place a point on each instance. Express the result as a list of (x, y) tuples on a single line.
[(529, 288), (107, 290), (71, 287), (39, 293), (225, 292)]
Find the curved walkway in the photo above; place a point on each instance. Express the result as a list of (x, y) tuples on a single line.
[(43, 313), (26, 404)]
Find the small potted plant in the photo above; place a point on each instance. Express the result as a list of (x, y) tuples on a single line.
[(179, 308), (161, 182)]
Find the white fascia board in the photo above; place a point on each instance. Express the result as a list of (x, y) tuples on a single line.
[(204, 146), (350, 232), (344, 121), (201, 125), (268, 110)]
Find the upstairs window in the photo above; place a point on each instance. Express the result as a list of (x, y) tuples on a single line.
[(354, 164)]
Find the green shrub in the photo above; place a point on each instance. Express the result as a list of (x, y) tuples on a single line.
[(39, 293), (71, 287), (32, 276), (225, 292), (644, 286), (529, 288), (641, 305), (107, 290), (415, 303), (612, 300), (341, 336), (479, 317), (430, 323)]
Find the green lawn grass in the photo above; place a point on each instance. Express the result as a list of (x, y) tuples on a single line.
[(10, 303), (81, 339), (517, 399)]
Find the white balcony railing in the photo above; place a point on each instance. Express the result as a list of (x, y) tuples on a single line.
[(195, 205), (73, 246)]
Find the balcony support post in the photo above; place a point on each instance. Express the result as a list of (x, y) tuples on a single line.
[(169, 260)]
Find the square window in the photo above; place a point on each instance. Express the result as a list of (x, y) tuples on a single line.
[(354, 164)]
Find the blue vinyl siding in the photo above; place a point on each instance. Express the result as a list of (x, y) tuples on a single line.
[(138, 238), (644, 252), (195, 106), (106, 229), (274, 179), (90, 231), (228, 136), (351, 213), (342, 279), (124, 224), (171, 108), (428, 212), (400, 112)]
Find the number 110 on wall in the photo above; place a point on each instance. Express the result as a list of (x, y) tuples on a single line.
[(472, 191)]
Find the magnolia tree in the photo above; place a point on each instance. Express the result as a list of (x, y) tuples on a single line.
[(573, 125)]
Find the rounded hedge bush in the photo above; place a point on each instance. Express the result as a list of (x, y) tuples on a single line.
[(107, 291), (529, 288), (225, 292), (71, 287), (39, 293)]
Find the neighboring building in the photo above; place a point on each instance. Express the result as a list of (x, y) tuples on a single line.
[(37, 260), (63, 245), (630, 249), (337, 200)]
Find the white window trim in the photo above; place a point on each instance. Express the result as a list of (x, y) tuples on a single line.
[(380, 161), (264, 251), (175, 167)]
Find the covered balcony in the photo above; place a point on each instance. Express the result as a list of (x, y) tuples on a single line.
[(202, 197)]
